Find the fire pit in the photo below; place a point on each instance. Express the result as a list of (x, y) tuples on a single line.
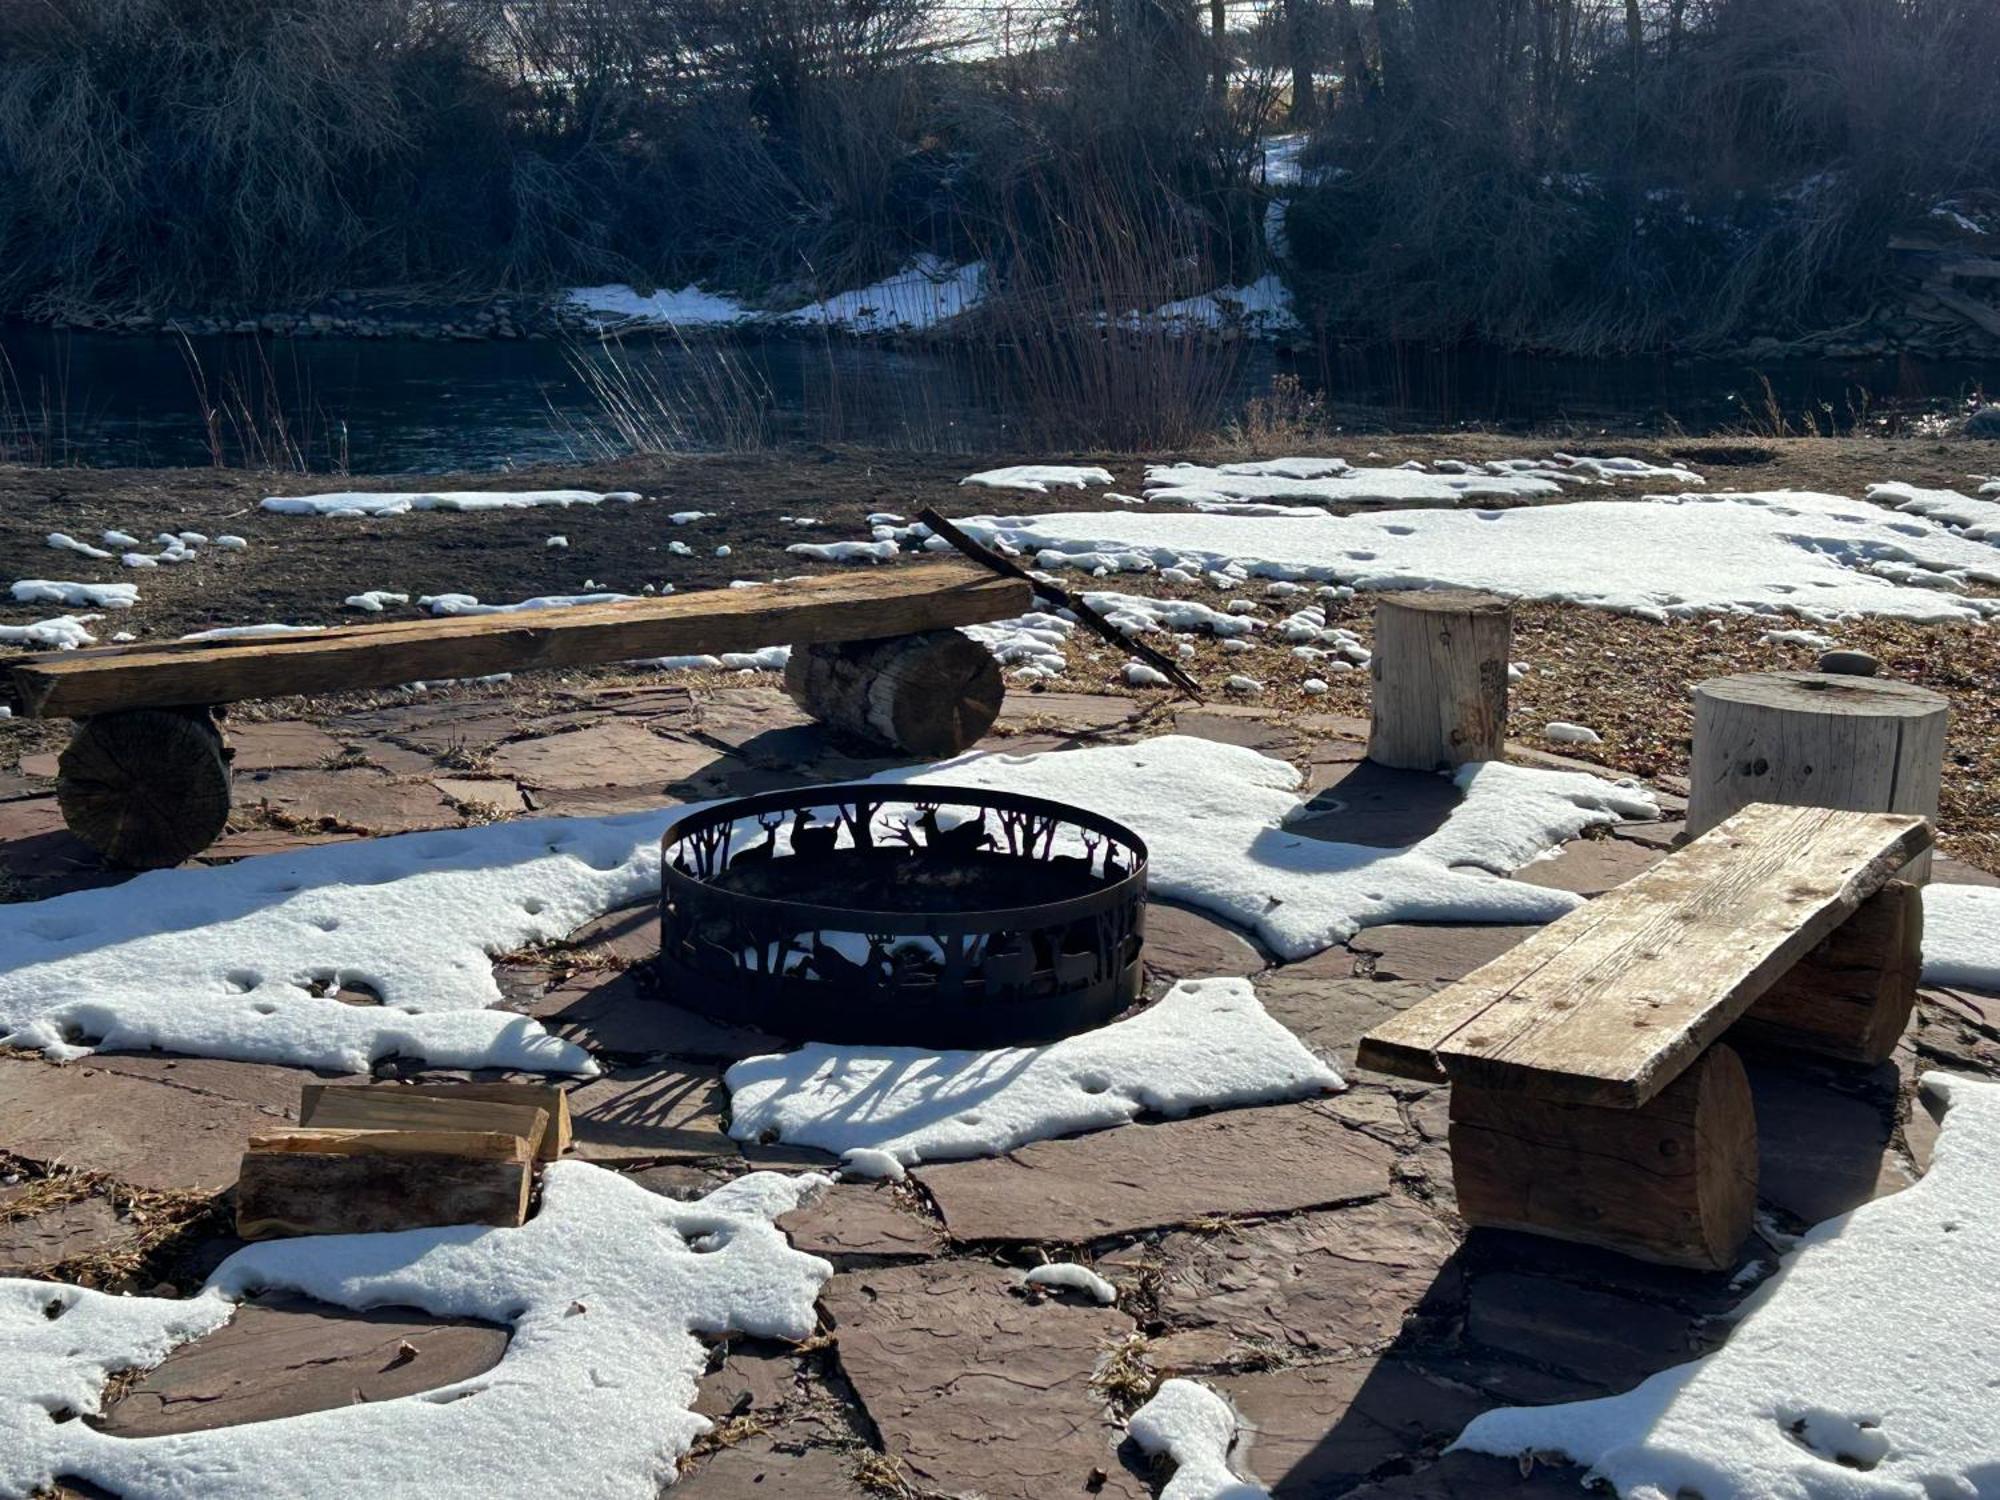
[(924, 916)]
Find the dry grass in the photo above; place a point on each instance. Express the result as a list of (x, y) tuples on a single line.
[(165, 1226)]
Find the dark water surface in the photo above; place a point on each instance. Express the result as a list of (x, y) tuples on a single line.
[(388, 405)]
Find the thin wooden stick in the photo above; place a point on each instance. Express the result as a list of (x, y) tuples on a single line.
[(1063, 598)]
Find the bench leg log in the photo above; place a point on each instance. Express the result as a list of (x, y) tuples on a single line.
[(1851, 997), (146, 788), (932, 694), (1674, 1181)]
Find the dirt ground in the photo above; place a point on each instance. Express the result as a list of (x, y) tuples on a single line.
[(1627, 678)]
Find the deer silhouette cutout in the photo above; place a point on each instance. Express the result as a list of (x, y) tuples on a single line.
[(766, 849), (966, 838), (809, 837)]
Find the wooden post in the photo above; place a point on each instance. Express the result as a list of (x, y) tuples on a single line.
[(1674, 1181), (1440, 671), (1816, 739), (146, 788), (1851, 996), (930, 694)]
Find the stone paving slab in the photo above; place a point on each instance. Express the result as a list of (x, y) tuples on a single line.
[(617, 752), (1431, 953), (659, 1112), (1590, 867), (278, 745), (620, 1013), (134, 1120), (285, 1357), (501, 795), (792, 1461), (857, 1224), (1326, 1008), (1359, 802), (1610, 1340), (1332, 1282), (86, 1227), (360, 798), (1184, 944), (1253, 1161), (978, 1390)]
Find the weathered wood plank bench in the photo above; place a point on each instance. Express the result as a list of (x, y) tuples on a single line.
[(145, 780), (1593, 1098)]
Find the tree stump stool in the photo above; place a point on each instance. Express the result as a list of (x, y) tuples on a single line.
[(1440, 679), (1816, 739)]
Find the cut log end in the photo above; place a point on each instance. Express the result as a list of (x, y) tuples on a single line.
[(1674, 1181), (1440, 679), (146, 788), (933, 694)]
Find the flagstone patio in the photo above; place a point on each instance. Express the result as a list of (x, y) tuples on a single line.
[(1303, 1258)]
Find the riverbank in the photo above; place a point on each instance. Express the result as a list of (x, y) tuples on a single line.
[(706, 522)]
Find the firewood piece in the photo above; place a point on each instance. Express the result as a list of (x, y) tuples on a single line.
[(932, 694), (1607, 1005), (828, 607), (145, 788), (545, 1096), (1816, 739), (1673, 1182), (1440, 679), (393, 1107), (1851, 997), (369, 1181)]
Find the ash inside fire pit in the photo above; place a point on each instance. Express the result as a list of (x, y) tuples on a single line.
[(923, 916)]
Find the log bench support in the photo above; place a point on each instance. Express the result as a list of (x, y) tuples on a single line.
[(1594, 1098), (147, 787)]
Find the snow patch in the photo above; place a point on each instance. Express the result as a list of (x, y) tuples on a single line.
[(1976, 519), (93, 595), (1074, 1278), (609, 1291), (1960, 947), (1565, 733), (925, 293), (374, 601), (252, 632), (690, 307), (468, 604), (1037, 478), (63, 633), (1195, 1427), (62, 541), (354, 503)]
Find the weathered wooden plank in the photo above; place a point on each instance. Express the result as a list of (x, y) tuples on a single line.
[(334, 1182), (544, 1096), (476, 1145), (1609, 1004), (829, 607), (392, 1107)]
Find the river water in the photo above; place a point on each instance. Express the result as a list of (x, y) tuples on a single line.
[(389, 406)]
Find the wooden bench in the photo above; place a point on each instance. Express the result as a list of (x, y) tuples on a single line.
[(145, 780), (1593, 1098)]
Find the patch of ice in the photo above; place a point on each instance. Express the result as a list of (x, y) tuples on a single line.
[(467, 604), (1960, 927), (1207, 1042), (1860, 1370), (1565, 733), (252, 632), (1071, 1277), (1195, 1428), (690, 307), (375, 600), (94, 595), (62, 541), (1036, 478), (923, 294), (1817, 557), (63, 633), (387, 503), (609, 1292), (1977, 519)]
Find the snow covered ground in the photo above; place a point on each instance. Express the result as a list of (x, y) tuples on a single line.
[(1039, 478), (1195, 1428), (1207, 1042), (1328, 481), (922, 295), (1962, 936), (1818, 557), (63, 633), (605, 1290), (1864, 1370), (366, 503), (240, 960), (86, 595), (1974, 518), (690, 307)]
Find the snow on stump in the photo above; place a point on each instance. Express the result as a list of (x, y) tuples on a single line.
[(146, 788), (1440, 670), (932, 694), (1816, 739)]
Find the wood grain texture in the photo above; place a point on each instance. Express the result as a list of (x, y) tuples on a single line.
[(549, 1097), (394, 1108), (828, 607), (933, 694), (1851, 997), (1440, 679), (1609, 1004), (1816, 739), (327, 1140), (294, 1192), (146, 789), (1673, 1182)]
